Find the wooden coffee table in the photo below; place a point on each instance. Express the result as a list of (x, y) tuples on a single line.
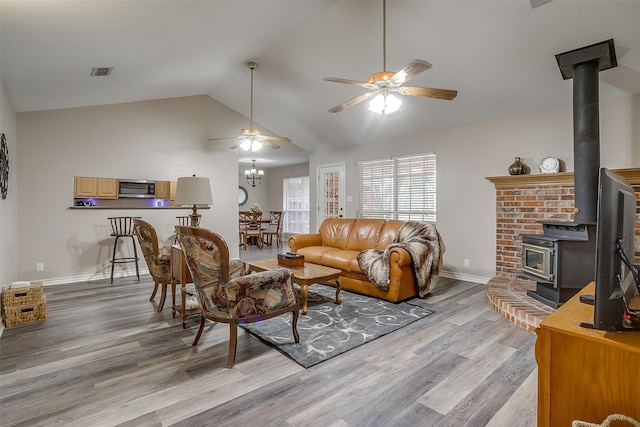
[(303, 276)]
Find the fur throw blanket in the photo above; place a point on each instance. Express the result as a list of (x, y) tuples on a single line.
[(423, 242)]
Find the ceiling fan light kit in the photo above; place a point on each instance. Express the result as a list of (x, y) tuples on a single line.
[(384, 84), (385, 104), (251, 139)]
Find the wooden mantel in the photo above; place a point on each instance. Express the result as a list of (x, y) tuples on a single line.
[(632, 175)]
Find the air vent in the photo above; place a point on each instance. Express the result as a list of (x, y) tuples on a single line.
[(101, 71)]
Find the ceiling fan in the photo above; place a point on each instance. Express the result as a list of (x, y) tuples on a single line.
[(384, 84), (251, 139)]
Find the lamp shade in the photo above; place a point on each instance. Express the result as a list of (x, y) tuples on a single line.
[(193, 190)]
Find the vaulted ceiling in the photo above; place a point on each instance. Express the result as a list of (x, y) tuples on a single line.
[(499, 55)]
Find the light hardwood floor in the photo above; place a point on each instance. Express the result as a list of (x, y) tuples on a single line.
[(104, 357)]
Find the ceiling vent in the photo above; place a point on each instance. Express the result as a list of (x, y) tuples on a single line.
[(101, 71)]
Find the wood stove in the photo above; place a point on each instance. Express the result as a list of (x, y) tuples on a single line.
[(561, 260)]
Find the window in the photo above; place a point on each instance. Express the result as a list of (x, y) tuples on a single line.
[(295, 196), (399, 188)]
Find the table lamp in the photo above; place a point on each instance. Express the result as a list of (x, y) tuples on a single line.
[(194, 191)]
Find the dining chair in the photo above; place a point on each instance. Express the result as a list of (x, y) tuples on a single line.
[(158, 260), (182, 220), (274, 229), (241, 220), (252, 229), (226, 295)]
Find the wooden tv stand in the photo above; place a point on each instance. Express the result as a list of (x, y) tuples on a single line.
[(585, 374)]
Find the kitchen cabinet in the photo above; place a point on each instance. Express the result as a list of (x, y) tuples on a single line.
[(85, 187), (163, 189), (172, 190), (101, 188), (107, 188)]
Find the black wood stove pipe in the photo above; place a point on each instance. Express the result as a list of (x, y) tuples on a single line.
[(583, 65), (586, 141)]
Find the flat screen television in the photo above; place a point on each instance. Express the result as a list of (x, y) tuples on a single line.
[(616, 277)]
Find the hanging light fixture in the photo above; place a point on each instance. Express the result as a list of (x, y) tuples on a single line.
[(254, 175)]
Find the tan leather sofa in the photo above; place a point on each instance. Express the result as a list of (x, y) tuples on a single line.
[(340, 240)]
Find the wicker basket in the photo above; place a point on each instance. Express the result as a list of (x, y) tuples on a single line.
[(27, 313), (28, 295)]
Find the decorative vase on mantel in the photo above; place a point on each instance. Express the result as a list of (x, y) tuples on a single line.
[(518, 168)]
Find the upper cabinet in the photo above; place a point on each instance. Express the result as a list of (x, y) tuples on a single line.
[(101, 188), (107, 188), (163, 189), (85, 187), (172, 190)]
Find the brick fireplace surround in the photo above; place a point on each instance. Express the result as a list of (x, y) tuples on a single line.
[(522, 202)]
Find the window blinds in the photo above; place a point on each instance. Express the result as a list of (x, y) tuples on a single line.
[(399, 188)]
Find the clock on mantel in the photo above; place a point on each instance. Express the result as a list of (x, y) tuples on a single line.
[(550, 165)]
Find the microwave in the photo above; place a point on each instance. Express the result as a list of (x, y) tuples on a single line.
[(136, 189)]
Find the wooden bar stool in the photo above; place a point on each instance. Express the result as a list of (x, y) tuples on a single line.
[(122, 226)]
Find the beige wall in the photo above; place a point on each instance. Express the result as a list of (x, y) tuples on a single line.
[(161, 140), (9, 206), (468, 154), (165, 139)]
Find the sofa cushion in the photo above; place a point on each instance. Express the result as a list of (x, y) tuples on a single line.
[(365, 234), (340, 258), (388, 233), (313, 254), (335, 232)]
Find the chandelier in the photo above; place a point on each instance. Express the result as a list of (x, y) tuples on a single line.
[(254, 176)]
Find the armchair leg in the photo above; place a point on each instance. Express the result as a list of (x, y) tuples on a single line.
[(163, 296), (199, 334), (173, 307), (294, 324), (155, 290), (233, 343)]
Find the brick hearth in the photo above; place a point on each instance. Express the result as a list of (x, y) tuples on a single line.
[(522, 203)]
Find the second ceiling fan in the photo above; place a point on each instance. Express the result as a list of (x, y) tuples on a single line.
[(251, 139), (384, 84)]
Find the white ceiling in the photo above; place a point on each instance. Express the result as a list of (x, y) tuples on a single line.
[(499, 55)]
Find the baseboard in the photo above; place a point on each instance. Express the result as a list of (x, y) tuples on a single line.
[(464, 277), (90, 277)]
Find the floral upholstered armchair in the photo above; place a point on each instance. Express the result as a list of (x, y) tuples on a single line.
[(158, 260), (225, 294)]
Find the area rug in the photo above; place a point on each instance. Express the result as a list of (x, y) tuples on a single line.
[(328, 329)]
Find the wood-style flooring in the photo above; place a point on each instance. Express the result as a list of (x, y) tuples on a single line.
[(105, 357)]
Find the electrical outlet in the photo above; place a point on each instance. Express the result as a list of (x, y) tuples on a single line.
[(40, 266), (466, 262)]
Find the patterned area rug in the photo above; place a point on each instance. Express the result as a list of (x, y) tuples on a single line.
[(328, 330)]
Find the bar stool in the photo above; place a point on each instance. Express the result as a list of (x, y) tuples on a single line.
[(122, 226)]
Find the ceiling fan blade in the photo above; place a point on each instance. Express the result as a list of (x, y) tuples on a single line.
[(235, 145), (348, 82), (351, 102), (269, 144), (416, 67), (276, 138), (220, 139), (429, 92)]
